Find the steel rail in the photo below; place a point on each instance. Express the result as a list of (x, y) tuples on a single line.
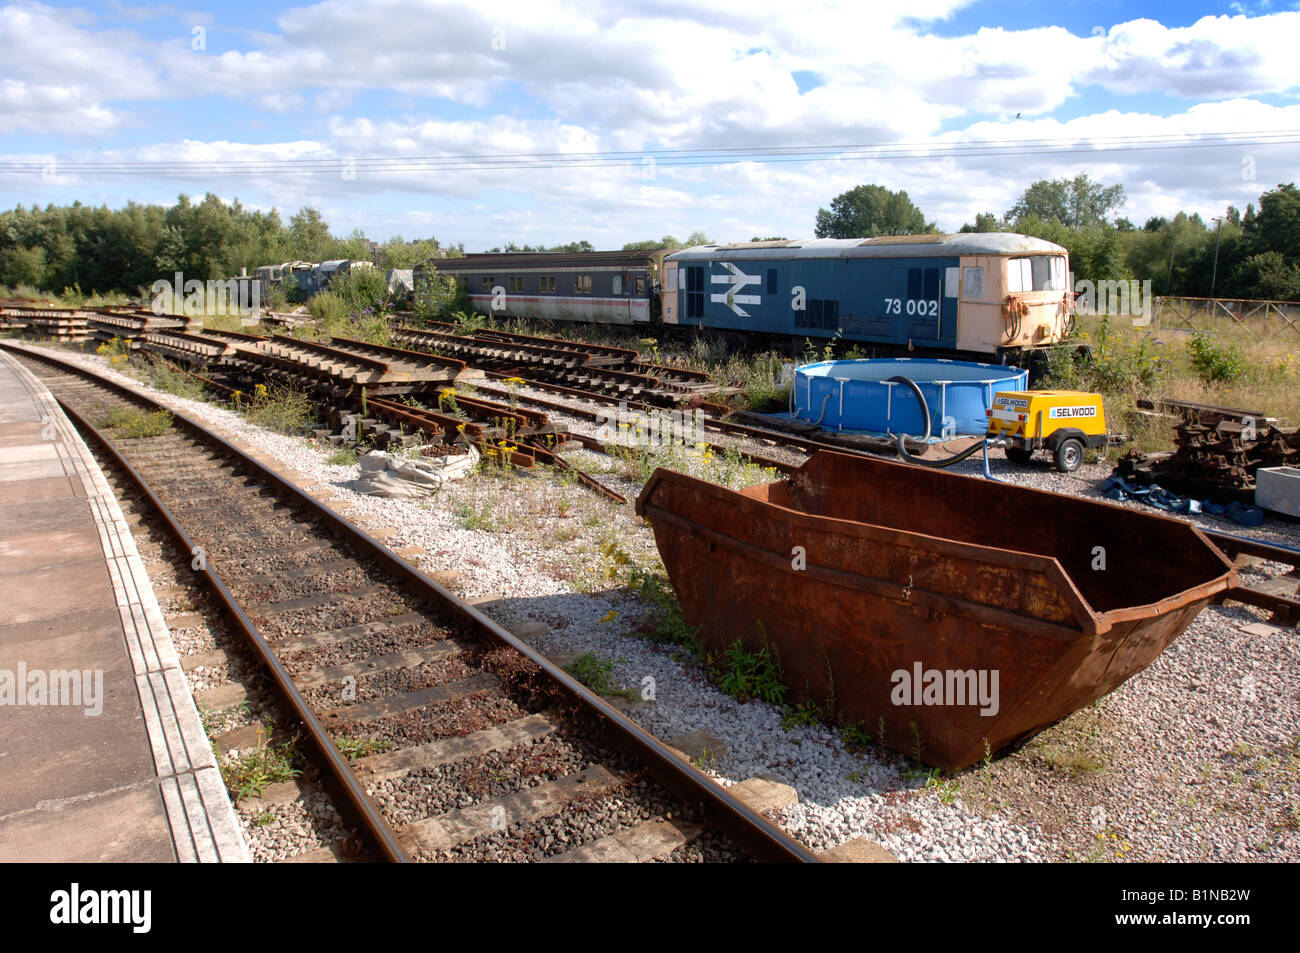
[(358, 803), (753, 832)]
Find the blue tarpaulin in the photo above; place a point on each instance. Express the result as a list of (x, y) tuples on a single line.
[(1117, 488)]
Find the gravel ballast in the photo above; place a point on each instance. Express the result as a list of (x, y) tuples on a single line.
[(1193, 759)]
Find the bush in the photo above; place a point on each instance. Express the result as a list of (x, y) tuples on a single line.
[(1215, 364), (328, 308), (437, 296), (362, 290), (279, 408)]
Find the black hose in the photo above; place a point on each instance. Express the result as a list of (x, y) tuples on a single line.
[(925, 412)]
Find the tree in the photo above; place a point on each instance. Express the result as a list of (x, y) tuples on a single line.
[(311, 236), (1276, 227), (869, 210), (650, 244), (1075, 203), (697, 237), (770, 238), (984, 222)]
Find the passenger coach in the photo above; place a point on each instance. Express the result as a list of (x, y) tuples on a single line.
[(985, 293), (607, 287)]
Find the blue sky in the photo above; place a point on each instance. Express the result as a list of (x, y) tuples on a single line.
[(299, 87)]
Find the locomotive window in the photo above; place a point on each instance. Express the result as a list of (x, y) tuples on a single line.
[(931, 284), (951, 279), (771, 281), (695, 292), (914, 284), (618, 284), (972, 282)]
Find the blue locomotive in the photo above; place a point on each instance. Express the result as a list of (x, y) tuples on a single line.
[(972, 293)]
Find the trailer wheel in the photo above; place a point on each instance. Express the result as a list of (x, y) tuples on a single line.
[(1069, 455), (1019, 455)]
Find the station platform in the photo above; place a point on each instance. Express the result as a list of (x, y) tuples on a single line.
[(103, 756)]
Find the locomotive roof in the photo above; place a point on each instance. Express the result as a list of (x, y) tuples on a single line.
[(511, 260), (882, 246)]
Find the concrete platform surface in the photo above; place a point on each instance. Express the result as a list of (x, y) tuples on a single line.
[(103, 756)]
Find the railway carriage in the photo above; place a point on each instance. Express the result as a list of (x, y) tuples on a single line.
[(610, 287), (982, 293)]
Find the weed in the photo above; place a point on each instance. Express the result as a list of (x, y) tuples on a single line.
[(747, 675), (804, 714), (132, 423), (1214, 363), (666, 622), (172, 380), (353, 748), (117, 351), (1076, 762), (263, 819), (594, 672), (342, 456), (251, 774), (282, 409), (855, 735), (475, 516)]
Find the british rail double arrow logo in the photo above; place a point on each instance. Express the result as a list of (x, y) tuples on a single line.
[(738, 280)]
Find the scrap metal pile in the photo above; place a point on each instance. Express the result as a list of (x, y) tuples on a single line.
[(1219, 451)]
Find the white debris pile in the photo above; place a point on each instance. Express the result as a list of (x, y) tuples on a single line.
[(384, 474)]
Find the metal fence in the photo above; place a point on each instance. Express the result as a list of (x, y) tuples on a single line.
[(1260, 319)]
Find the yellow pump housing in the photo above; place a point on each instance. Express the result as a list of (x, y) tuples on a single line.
[(1064, 422)]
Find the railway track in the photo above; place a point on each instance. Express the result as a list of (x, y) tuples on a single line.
[(468, 744)]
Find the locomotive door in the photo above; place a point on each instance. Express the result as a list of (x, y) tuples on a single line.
[(668, 296)]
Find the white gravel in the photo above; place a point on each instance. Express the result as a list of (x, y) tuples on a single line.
[(1192, 759)]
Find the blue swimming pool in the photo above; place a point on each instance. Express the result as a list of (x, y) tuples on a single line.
[(856, 395)]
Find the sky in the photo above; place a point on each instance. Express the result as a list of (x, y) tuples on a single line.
[(613, 121)]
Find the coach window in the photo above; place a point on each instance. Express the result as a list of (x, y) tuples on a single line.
[(618, 285), (488, 283), (1049, 272), (582, 284), (640, 284), (972, 281)]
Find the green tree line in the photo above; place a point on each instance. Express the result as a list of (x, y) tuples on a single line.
[(1255, 254), (102, 250)]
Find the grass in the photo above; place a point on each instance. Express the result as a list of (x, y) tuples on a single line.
[(665, 622), (1074, 761), (132, 423), (595, 672), (251, 774), (342, 456), (353, 748), (1226, 366)]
